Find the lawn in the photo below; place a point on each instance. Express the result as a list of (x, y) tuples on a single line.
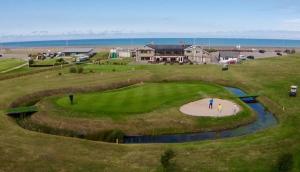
[(23, 150), (6, 64), (139, 99), (45, 62), (111, 68), (144, 109)]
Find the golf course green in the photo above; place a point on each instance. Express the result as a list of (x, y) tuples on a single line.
[(140, 98)]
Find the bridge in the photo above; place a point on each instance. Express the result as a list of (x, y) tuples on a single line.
[(248, 96)]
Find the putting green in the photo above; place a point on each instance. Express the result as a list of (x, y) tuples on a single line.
[(139, 98)]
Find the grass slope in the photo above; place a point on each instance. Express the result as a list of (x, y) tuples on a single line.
[(142, 109), (23, 150)]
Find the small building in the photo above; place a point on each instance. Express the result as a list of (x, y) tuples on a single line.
[(122, 53), (78, 51)]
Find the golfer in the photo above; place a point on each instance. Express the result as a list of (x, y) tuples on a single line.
[(211, 103), (220, 108), (235, 109)]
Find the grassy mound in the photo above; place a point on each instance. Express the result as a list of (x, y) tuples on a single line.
[(139, 99)]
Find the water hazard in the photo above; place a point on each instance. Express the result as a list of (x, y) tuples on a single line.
[(265, 119)]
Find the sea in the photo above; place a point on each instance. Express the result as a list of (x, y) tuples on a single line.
[(143, 41)]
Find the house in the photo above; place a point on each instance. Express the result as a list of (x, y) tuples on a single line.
[(145, 54), (229, 57), (197, 54), (78, 51), (122, 53), (172, 53)]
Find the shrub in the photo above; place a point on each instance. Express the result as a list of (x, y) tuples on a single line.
[(60, 61), (293, 51), (114, 70), (73, 70), (166, 158), (80, 69), (285, 163)]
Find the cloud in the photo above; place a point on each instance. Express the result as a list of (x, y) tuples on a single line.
[(291, 24)]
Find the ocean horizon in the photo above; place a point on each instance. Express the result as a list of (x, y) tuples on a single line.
[(243, 42)]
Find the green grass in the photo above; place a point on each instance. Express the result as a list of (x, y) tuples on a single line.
[(138, 99), (6, 64), (111, 68), (23, 150), (45, 62)]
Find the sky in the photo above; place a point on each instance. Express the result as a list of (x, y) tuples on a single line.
[(44, 19)]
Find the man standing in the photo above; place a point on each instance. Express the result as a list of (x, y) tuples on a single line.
[(211, 103), (220, 108)]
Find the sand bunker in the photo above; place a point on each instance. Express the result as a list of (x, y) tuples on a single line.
[(200, 108)]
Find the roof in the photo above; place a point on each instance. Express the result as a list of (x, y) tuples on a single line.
[(194, 47), (229, 54), (77, 50), (145, 48), (168, 47)]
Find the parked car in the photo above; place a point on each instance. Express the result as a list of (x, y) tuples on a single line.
[(279, 54), (250, 57), (262, 51), (1, 55), (242, 57)]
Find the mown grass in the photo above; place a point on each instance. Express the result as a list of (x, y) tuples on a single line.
[(143, 109), (111, 68), (45, 62), (138, 99), (6, 64), (23, 150)]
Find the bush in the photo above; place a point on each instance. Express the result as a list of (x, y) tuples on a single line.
[(80, 69), (285, 163), (293, 51), (166, 158), (73, 70)]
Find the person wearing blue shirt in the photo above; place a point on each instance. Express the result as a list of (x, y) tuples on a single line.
[(211, 103)]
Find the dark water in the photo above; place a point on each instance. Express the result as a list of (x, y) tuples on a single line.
[(144, 41), (265, 119)]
